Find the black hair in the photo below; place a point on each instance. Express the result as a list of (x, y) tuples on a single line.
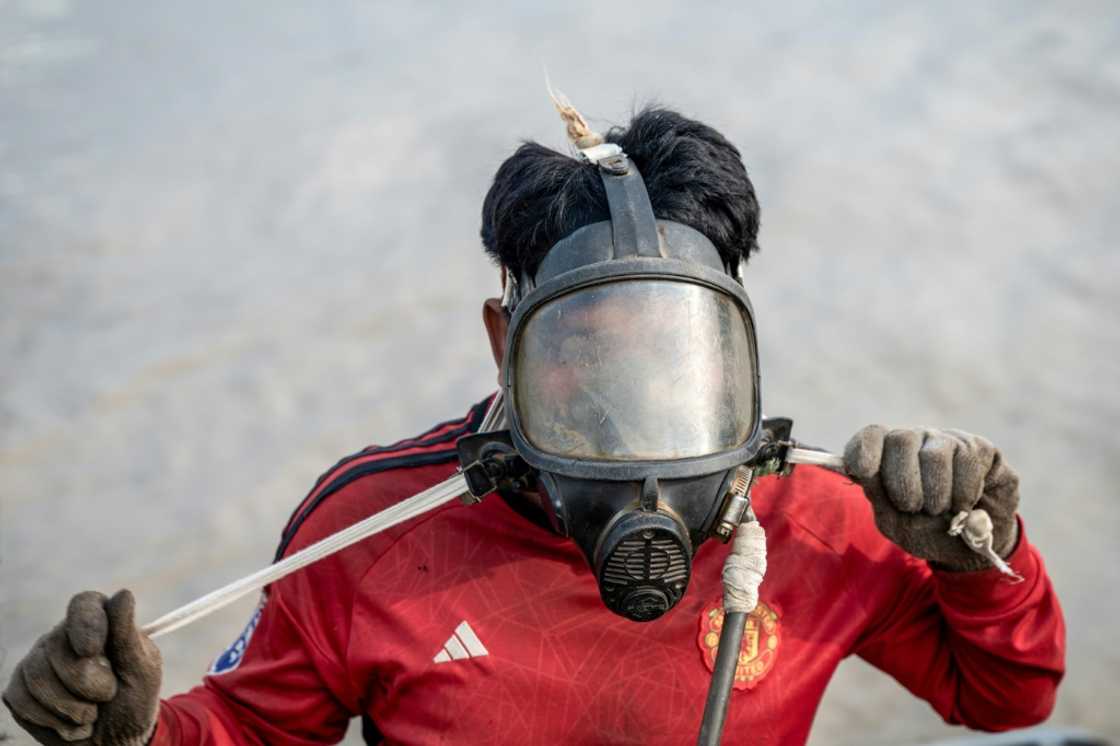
[(693, 175)]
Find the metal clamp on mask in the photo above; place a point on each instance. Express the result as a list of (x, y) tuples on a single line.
[(631, 381)]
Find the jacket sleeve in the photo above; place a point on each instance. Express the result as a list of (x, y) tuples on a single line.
[(282, 691), (985, 651)]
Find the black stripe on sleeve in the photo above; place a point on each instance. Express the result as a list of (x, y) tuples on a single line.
[(352, 475), (470, 424)]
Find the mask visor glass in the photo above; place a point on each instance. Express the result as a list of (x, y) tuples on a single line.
[(636, 370)]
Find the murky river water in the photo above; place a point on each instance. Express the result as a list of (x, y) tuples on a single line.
[(239, 241)]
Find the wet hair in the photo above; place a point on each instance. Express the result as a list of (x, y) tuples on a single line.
[(693, 175)]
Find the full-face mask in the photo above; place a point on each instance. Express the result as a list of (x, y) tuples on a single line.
[(631, 386)]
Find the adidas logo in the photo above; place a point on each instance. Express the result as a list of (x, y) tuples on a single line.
[(463, 643)]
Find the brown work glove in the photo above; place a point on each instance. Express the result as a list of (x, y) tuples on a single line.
[(918, 480), (93, 679)]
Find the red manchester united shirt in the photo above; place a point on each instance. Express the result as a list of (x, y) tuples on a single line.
[(476, 624)]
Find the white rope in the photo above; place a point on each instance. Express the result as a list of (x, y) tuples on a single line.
[(975, 528), (406, 510), (744, 568), (434, 496), (832, 461), (742, 571)]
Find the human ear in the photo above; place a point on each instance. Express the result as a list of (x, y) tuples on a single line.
[(496, 320)]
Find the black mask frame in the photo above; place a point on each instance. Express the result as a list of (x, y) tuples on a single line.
[(658, 497)]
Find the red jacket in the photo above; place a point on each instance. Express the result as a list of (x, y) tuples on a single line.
[(475, 624)]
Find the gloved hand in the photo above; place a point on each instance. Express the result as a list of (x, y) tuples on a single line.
[(93, 679), (917, 480)]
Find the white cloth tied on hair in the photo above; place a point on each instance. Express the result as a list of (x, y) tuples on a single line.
[(744, 568)]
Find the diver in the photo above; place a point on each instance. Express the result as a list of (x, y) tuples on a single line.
[(586, 609)]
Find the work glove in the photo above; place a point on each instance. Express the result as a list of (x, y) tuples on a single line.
[(93, 679), (919, 480)]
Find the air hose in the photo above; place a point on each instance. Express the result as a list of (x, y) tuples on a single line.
[(743, 571)]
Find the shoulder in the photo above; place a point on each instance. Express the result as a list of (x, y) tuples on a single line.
[(315, 605), (374, 479), (826, 505), (820, 525)]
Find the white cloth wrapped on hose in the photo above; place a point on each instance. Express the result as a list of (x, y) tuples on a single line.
[(744, 568)]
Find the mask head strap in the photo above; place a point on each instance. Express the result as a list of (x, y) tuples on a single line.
[(633, 225)]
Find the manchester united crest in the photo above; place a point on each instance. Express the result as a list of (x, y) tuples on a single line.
[(761, 640)]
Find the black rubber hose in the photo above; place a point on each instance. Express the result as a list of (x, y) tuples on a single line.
[(723, 676)]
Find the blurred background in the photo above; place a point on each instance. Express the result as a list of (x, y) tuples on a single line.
[(239, 240)]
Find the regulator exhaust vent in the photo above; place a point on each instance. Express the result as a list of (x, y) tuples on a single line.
[(644, 566)]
